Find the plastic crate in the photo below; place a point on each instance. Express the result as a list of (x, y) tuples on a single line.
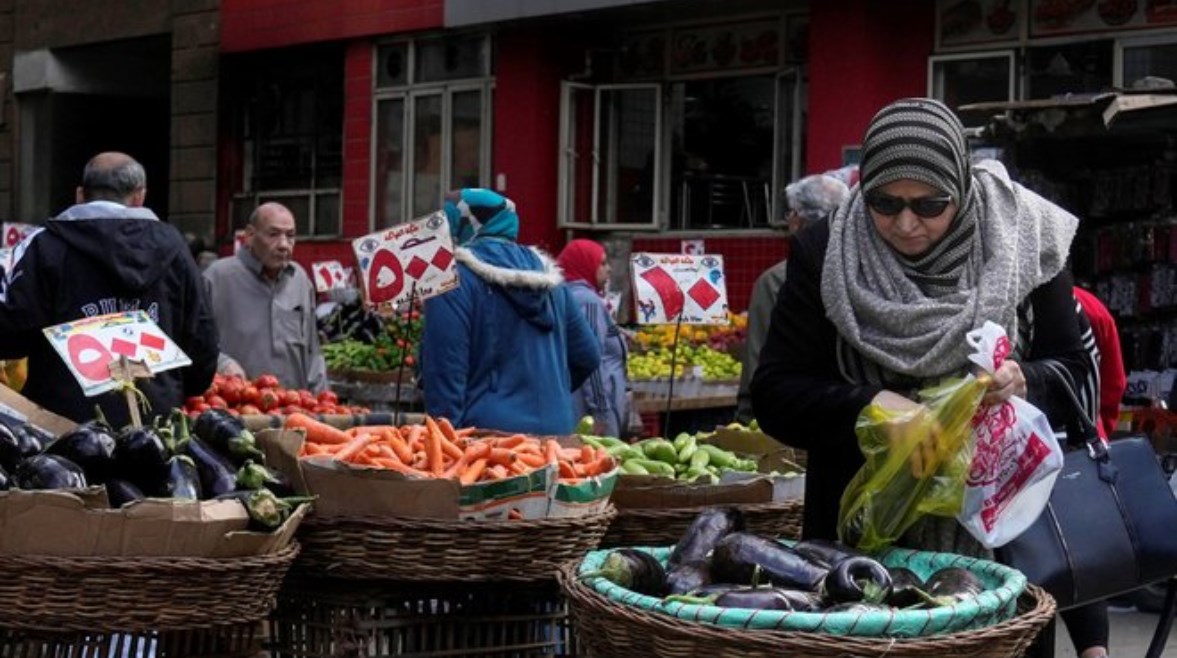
[(232, 641), (336, 619)]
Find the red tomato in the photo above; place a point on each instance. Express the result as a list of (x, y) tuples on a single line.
[(328, 397), (290, 398), (292, 409), (193, 401), (409, 360), (231, 391), (250, 395), (249, 410), (215, 401), (267, 399), (201, 407), (266, 381)]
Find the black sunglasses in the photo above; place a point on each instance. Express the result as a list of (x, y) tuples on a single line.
[(925, 206)]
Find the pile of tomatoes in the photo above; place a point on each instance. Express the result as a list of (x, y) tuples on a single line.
[(264, 395)]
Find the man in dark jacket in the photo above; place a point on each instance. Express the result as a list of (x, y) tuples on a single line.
[(107, 254)]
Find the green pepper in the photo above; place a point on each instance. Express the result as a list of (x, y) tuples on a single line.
[(631, 467), (654, 467), (681, 440), (718, 456), (624, 452), (700, 461), (688, 449), (660, 449), (701, 476)]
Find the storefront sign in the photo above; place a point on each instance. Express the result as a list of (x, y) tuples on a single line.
[(669, 285), (330, 275), (1053, 17), (15, 232), (694, 247), (725, 46), (973, 22), (89, 345), (415, 258)]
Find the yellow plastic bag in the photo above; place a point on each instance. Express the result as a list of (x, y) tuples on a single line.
[(916, 464)]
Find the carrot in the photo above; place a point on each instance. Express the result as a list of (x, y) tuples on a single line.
[(551, 450), (510, 441), (587, 454), (371, 429), (519, 468), (528, 459), (502, 456), (477, 450), (311, 449), (316, 431), (355, 447), (514, 515), (448, 431), (567, 470), (498, 472), (394, 465), (394, 440), (465, 432), (433, 450), (413, 434), (450, 448), (473, 472), (570, 454)]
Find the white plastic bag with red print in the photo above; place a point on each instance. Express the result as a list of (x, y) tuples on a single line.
[(1016, 457)]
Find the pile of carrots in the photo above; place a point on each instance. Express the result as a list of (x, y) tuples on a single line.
[(437, 450)]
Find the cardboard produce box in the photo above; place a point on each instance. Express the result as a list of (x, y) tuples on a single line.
[(81, 524), (346, 490), (19, 408)]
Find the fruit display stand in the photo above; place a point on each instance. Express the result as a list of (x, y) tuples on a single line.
[(390, 567), (377, 390)]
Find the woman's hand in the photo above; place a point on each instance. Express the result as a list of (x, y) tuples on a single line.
[(1008, 381), (915, 429)]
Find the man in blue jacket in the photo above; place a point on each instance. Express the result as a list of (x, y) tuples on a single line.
[(506, 348), (107, 254)]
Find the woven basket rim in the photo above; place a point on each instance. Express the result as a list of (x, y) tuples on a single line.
[(91, 563), (458, 525), (1040, 609)]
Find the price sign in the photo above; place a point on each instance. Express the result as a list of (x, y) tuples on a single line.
[(330, 275), (415, 256), (15, 232), (240, 240), (669, 285), (89, 345)]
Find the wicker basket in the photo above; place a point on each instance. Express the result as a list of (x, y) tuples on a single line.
[(607, 629), (235, 641), (138, 595), (330, 618), (663, 527), (403, 549)]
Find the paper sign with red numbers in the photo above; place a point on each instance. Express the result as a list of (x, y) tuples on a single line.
[(411, 259), (330, 275), (14, 233), (667, 285), (89, 345)]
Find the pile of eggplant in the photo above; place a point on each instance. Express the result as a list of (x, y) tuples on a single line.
[(717, 563), (215, 458)]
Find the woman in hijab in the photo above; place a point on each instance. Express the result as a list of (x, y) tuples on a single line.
[(879, 296), (586, 271), (506, 348)]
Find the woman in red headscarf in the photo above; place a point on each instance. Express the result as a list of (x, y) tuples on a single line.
[(602, 396)]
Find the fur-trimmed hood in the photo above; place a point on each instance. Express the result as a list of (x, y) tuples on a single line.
[(525, 275)]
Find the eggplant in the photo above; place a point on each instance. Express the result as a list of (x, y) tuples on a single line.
[(635, 570), (228, 436), (5, 480), (217, 475), (762, 598), (91, 447), (737, 556), (266, 511), (907, 589), (16, 443), (140, 454), (707, 528), (256, 476), (120, 492), (952, 585), (687, 577), (181, 479), (857, 579), (825, 552), (49, 472)]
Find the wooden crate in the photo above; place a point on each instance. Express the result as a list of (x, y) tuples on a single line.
[(336, 619)]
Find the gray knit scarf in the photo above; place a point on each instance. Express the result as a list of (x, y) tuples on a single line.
[(909, 317)]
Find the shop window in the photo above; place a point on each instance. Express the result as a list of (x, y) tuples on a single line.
[(973, 78), (288, 115), (1072, 68), (1146, 57), (432, 124)]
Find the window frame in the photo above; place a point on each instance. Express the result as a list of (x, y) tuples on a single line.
[(1136, 41), (1016, 83)]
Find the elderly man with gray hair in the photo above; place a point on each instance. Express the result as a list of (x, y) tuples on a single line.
[(809, 200)]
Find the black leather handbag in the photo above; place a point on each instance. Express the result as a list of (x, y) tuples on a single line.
[(1110, 526)]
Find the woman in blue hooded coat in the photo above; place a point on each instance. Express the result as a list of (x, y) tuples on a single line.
[(506, 348)]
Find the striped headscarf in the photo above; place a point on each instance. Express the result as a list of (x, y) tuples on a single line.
[(478, 213), (905, 318)]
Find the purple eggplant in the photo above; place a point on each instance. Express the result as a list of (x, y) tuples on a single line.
[(737, 556), (140, 454), (48, 472), (217, 475), (16, 443), (857, 579), (825, 552), (91, 447), (687, 577), (635, 570), (907, 589), (707, 528), (952, 585), (181, 479), (759, 598), (120, 492)]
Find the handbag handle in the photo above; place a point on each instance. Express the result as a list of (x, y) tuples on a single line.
[(1096, 448)]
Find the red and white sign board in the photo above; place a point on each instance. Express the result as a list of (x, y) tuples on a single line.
[(15, 232), (411, 259), (240, 240), (331, 275), (89, 345), (667, 285)]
